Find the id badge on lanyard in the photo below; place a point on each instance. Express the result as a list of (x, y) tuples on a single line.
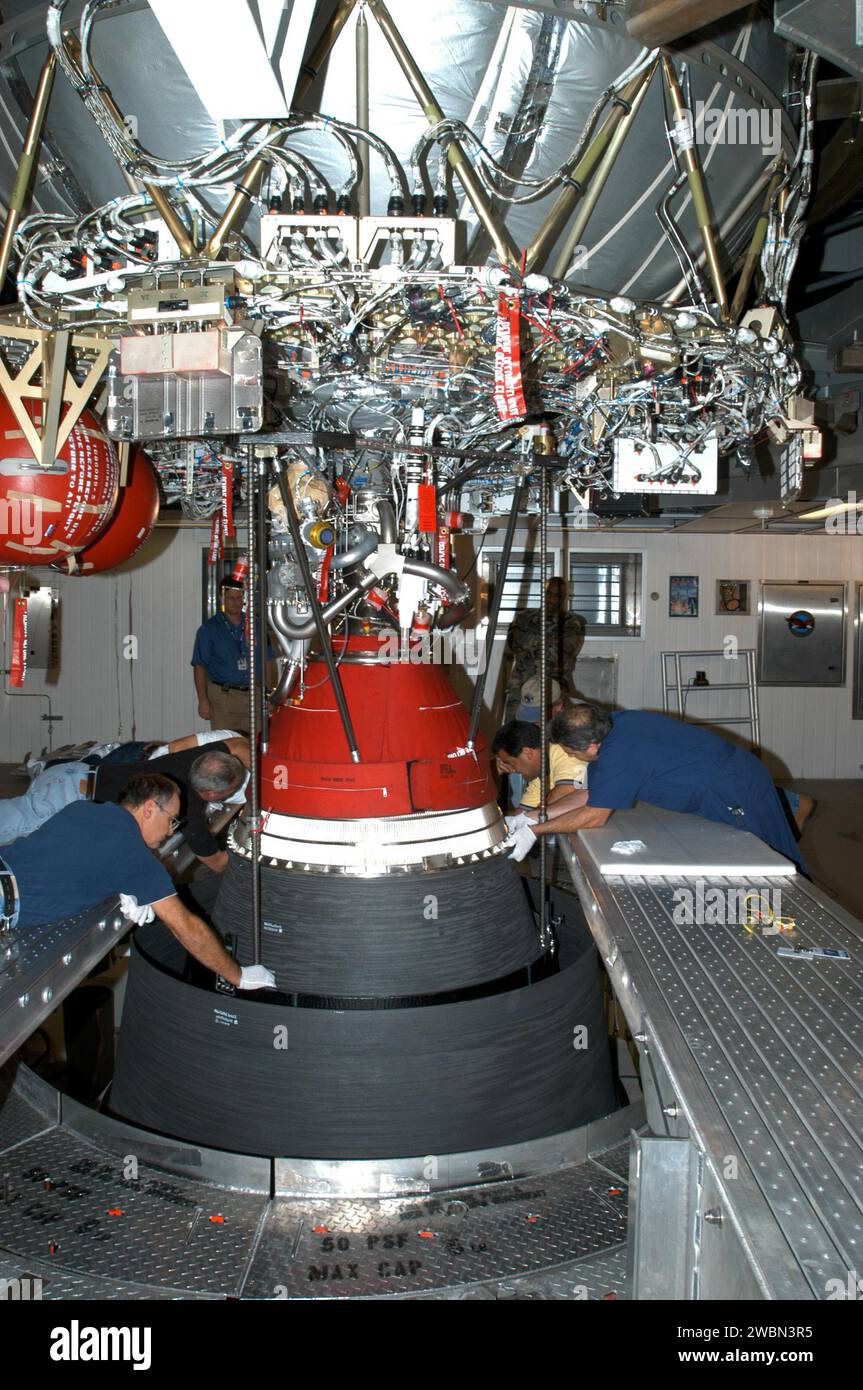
[(242, 662)]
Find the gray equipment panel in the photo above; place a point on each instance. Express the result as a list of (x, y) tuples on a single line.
[(42, 628), (199, 404), (801, 634)]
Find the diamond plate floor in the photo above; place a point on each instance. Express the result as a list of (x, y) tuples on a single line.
[(94, 1224)]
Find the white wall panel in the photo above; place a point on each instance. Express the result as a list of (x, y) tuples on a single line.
[(99, 693)]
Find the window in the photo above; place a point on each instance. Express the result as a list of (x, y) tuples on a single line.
[(606, 589), (521, 587)]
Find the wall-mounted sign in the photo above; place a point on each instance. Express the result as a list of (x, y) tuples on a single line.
[(801, 623)]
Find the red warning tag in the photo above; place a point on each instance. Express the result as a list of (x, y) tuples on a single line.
[(325, 574), (18, 661), (227, 495), (508, 389), (214, 553), (426, 508), (443, 547)]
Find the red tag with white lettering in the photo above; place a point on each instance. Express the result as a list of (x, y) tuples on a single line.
[(508, 389), (215, 551), (325, 574), (443, 547), (426, 508), (227, 487), (18, 661)]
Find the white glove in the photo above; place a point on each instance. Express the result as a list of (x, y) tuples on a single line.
[(522, 840), (256, 977), (515, 822), (129, 908)]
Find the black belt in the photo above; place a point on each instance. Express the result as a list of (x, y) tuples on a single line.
[(244, 688), (9, 896), (540, 969)]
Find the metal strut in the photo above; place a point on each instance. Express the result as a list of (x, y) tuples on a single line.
[(326, 649), (479, 688), (27, 161), (544, 925), (252, 483), (261, 565)]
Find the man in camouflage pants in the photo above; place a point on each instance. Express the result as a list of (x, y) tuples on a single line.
[(565, 638)]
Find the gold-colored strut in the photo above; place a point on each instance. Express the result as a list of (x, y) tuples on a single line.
[(603, 170), (27, 160), (695, 178), (157, 195), (47, 432), (505, 248), (566, 200), (249, 184), (756, 246)]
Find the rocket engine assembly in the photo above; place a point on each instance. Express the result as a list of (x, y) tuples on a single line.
[(420, 1008), (375, 328)]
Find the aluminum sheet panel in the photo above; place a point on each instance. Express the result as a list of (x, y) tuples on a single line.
[(53, 959), (679, 846)]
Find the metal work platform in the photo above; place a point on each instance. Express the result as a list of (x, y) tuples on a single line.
[(750, 1184), (96, 1209), (52, 960)]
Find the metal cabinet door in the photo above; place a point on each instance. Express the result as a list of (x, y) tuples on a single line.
[(801, 634), (857, 698)]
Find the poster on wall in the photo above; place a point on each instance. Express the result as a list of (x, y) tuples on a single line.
[(683, 596), (732, 597)]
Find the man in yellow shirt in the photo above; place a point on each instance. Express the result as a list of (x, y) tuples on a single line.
[(516, 749)]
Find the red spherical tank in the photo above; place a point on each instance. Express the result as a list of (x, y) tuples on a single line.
[(411, 729), (49, 513), (129, 527)]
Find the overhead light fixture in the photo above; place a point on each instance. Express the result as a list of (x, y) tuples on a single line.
[(836, 509)]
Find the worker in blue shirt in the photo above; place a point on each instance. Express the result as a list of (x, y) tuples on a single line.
[(91, 853), (221, 663), (638, 756)]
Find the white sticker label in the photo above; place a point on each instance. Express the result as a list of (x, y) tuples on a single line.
[(684, 131)]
